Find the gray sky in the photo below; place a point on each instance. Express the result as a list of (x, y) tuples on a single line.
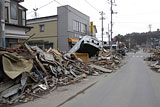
[(133, 15)]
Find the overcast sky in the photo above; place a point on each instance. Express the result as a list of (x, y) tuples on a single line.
[(133, 15)]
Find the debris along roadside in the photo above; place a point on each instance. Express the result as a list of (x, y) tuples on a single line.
[(107, 59), (154, 60), (28, 73), (23, 78)]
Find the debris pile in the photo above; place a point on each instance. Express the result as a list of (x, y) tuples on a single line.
[(107, 59), (154, 59), (27, 73)]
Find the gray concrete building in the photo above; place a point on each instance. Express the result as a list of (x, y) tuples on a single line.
[(68, 26), (72, 25)]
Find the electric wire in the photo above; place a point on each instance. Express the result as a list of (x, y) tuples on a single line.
[(66, 8), (71, 11), (91, 6), (42, 6)]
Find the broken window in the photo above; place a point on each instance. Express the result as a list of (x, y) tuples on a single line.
[(41, 28), (10, 42), (6, 14), (48, 45), (14, 11)]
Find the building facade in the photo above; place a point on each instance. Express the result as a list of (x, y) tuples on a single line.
[(45, 30), (72, 25), (15, 22), (62, 30)]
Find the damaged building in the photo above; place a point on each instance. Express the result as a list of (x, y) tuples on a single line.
[(60, 31), (15, 23)]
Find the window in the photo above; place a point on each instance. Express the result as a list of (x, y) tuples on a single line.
[(74, 25), (23, 18), (79, 27), (83, 28), (48, 45), (10, 42), (41, 28), (6, 14), (14, 11)]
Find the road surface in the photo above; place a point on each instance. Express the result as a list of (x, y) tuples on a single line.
[(134, 85)]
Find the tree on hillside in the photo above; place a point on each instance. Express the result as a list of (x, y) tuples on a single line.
[(138, 38)]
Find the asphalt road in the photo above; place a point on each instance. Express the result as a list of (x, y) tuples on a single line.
[(134, 85)]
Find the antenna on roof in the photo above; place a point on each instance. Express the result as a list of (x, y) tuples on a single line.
[(35, 12)]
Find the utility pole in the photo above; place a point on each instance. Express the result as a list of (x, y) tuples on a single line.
[(112, 3), (150, 27), (102, 18), (129, 45), (111, 20), (2, 23), (108, 36)]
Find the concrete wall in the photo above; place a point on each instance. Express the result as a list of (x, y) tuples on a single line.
[(66, 16), (62, 28)]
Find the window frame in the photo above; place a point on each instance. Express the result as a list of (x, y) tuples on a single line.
[(24, 18), (41, 30), (74, 25), (6, 14), (16, 12)]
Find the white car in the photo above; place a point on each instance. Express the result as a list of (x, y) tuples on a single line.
[(87, 44)]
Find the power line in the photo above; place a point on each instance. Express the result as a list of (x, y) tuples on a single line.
[(71, 11), (46, 4), (57, 2), (64, 7), (130, 22), (42, 6), (91, 6)]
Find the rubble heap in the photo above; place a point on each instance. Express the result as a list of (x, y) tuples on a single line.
[(27, 73), (107, 59), (154, 59)]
